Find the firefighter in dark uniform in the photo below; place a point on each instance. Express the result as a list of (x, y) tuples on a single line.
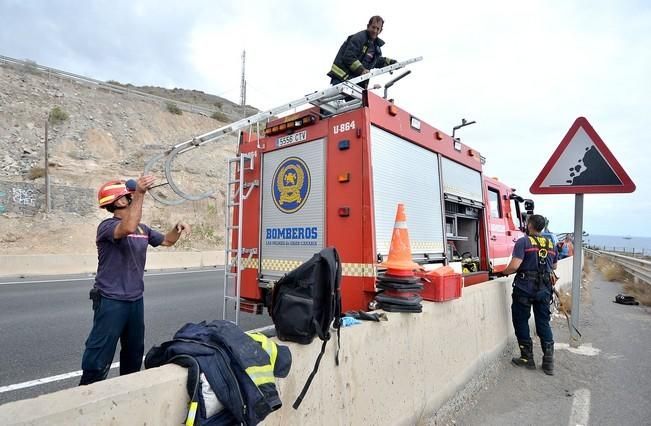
[(533, 261), (360, 53), (118, 308)]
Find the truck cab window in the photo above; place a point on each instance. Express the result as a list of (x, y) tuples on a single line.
[(494, 201)]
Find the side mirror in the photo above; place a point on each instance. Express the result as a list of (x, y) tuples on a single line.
[(516, 197)]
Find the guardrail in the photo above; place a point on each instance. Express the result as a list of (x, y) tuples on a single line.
[(627, 251), (108, 86), (639, 268)]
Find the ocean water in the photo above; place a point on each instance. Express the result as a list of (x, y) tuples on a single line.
[(619, 242)]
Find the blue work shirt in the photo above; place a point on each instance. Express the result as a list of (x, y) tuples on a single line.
[(526, 251), (121, 262)]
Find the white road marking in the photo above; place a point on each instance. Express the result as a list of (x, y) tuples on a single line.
[(580, 408), (153, 274), (65, 376), (614, 356), (585, 349), (45, 380)]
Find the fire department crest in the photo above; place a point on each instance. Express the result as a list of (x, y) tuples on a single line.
[(291, 185)]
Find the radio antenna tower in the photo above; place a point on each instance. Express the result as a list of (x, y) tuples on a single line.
[(243, 84)]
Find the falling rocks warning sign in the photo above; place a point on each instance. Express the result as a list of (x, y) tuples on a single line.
[(582, 163)]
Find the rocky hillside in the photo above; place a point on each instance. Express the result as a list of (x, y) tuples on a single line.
[(96, 135)]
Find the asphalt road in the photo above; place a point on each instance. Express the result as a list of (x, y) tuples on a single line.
[(608, 382), (43, 325)]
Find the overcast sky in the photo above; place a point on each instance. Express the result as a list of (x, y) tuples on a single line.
[(524, 70)]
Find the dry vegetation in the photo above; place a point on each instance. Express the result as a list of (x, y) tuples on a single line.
[(173, 108), (36, 172), (565, 299), (565, 296), (613, 272), (219, 116), (57, 115), (641, 292)]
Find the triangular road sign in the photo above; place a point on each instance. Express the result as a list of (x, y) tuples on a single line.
[(582, 164)]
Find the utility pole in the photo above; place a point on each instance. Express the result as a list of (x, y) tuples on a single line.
[(47, 174), (243, 84)]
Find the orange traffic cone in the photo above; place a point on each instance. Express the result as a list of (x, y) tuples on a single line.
[(399, 261)]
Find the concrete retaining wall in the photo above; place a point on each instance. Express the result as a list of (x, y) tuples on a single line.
[(391, 373), (52, 264)]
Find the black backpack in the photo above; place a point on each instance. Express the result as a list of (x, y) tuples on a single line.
[(623, 299), (306, 301)]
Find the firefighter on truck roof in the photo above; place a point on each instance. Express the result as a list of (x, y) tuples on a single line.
[(360, 53)]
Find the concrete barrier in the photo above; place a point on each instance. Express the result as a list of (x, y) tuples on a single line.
[(152, 397), (54, 264), (564, 271), (390, 373)]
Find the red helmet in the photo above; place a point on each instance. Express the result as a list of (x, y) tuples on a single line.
[(111, 191)]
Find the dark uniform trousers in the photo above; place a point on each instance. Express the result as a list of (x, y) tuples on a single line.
[(114, 320), (521, 306)]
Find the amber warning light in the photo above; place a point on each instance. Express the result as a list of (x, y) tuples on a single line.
[(291, 123)]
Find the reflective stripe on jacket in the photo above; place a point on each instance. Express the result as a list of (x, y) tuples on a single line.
[(348, 62), (280, 359), (237, 367)]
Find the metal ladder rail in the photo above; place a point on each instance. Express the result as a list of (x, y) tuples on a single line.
[(229, 259), (233, 278), (228, 229), (261, 116), (347, 87), (240, 216)]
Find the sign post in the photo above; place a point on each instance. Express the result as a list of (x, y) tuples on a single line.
[(577, 269), (581, 164)]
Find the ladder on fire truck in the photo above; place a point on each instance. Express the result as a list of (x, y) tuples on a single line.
[(237, 190), (339, 98), (333, 100)]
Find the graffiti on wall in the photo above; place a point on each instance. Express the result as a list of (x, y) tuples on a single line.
[(24, 197), (19, 197)]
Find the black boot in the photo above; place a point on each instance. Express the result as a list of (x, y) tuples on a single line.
[(548, 358), (526, 355)]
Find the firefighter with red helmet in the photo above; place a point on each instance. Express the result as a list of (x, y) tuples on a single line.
[(122, 243)]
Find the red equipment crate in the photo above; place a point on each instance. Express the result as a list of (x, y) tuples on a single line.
[(441, 284)]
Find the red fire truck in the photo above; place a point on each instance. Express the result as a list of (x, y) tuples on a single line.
[(333, 175)]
